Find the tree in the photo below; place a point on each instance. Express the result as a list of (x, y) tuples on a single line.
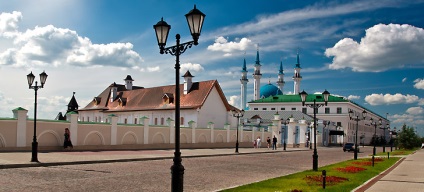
[(408, 139)]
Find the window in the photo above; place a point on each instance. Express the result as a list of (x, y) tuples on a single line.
[(255, 109), (283, 109), (316, 110), (293, 109), (264, 109), (304, 110), (273, 109), (107, 121), (162, 121), (88, 119), (327, 110), (83, 119), (156, 121), (125, 121), (339, 124), (182, 121), (339, 110), (100, 119), (135, 120), (95, 119)]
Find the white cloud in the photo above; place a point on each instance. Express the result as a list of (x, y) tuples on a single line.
[(234, 101), (404, 80), (153, 69), (419, 83), (50, 45), (191, 67), (222, 44), (353, 97), (388, 99), (384, 47), (9, 23), (415, 110)]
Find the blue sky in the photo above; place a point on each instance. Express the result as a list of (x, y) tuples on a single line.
[(368, 51)]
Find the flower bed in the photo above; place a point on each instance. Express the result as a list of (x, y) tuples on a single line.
[(350, 169), (329, 180)]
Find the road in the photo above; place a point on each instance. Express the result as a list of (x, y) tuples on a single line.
[(201, 174)]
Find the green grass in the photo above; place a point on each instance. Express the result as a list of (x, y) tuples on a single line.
[(397, 152), (298, 182)]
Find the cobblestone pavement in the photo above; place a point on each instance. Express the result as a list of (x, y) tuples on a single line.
[(210, 173)]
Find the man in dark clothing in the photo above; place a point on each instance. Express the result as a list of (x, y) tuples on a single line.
[(274, 143)]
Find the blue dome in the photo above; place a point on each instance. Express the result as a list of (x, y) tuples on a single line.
[(269, 90)]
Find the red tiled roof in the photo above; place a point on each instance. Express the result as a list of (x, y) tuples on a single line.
[(144, 99)]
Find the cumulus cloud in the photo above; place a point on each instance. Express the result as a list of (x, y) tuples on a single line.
[(153, 69), (419, 83), (353, 97), (234, 100), (50, 45), (404, 80), (223, 45), (9, 23), (191, 67), (382, 48), (387, 99), (415, 110)]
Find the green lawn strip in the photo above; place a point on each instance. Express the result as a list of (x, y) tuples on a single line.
[(397, 152), (298, 182)]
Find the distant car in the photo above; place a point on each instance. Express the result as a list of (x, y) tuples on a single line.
[(349, 147)]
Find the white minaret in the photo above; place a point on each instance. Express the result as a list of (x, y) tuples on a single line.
[(281, 81), (297, 77), (243, 82), (257, 77), (128, 82)]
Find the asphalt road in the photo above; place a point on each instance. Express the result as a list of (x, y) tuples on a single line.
[(201, 174)]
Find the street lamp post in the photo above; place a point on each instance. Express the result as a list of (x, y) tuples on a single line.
[(285, 123), (375, 123), (384, 136), (392, 132), (356, 117), (315, 107), (238, 115), (30, 78), (195, 20)]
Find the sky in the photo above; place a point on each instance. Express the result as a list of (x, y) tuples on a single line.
[(371, 52)]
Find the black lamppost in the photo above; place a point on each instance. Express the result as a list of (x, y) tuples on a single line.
[(375, 123), (384, 133), (195, 20), (238, 115), (315, 107), (356, 117), (30, 78), (392, 132), (285, 123)]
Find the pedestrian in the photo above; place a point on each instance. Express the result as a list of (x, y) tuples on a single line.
[(274, 143), (258, 142), (254, 143), (268, 142), (67, 142)]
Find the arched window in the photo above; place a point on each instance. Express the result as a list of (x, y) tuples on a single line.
[(156, 121), (135, 120)]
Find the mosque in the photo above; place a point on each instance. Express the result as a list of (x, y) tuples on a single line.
[(270, 98)]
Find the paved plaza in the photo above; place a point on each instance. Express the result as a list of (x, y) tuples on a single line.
[(149, 170)]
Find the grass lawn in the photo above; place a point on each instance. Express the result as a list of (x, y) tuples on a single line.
[(343, 176)]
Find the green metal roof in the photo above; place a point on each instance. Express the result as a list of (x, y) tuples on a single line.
[(296, 98), (19, 109)]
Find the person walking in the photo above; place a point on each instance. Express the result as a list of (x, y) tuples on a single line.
[(67, 142), (274, 143), (268, 142), (258, 142)]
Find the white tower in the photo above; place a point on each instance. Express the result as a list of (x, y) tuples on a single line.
[(297, 77), (188, 82), (257, 77), (128, 82), (281, 81), (243, 82)]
